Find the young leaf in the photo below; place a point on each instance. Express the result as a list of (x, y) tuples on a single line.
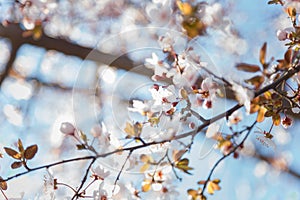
[(262, 54), (273, 2), (83, 136), (184, 7), (261, 114), (3, 184), (193, 193), (183, 165), (202, 182), (212, 186), (16, 165), (177, 154), (256, 81), (146, 185), (276, 119), (153, 121), (30, 152), (80, 146), (269, 113), (291, 12), (133, 130), (12, 153), (145, 167), (288, 57), (20, 146), (247, 67)]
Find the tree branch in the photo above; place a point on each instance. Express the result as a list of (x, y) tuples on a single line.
[(14, 33), (191, 133), (226, 155)]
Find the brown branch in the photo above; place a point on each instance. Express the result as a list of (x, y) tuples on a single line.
[(286, 76), (77, 193), (249, 129), (121, 170), (14, 48), (14, 33), (273, 161)]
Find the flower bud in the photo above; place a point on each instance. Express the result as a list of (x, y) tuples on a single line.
[(282, 35), (67, 128)]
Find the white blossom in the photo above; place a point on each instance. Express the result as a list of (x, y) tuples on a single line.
[(235, 118), (243, 95), (100, 173), (212, 130)]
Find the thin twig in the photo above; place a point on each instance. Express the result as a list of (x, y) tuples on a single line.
[(120, 172), (217, 77), (225, 156), (4, 194), (286, 76), (173, 169), (66, 185), (77, 194)]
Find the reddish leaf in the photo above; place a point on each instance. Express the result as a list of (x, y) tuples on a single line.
[(248, 67), (30, 152), (12, 153), (262, 54), (3, 184), (291, 12), (256, 81), (288, 56), (16, 165), (202, 182), (20, 146)]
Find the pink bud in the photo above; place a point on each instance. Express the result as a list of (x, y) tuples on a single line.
[(67, 128), (282, 35)]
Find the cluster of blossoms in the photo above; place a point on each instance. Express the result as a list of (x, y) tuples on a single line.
[(184, 90)]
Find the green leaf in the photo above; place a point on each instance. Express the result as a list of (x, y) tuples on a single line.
[(12, 153), (30, 152), (16, 165), (247, 67)]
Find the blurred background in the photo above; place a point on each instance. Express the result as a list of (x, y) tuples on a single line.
[(82, 62)]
